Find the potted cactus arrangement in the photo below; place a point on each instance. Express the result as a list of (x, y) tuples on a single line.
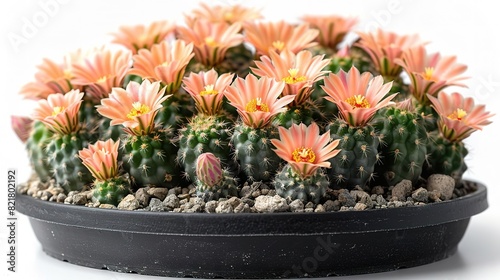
[(232, 146)]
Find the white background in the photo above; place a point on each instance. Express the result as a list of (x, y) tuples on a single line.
[(468, 29)]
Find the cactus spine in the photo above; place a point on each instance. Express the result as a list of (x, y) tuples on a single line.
[(37, 150), (254, 152), (355, 164), (289, 184), (403, 145)]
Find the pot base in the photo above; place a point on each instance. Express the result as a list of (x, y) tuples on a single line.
[(286, 245)]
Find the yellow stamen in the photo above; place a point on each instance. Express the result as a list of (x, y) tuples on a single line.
[(458, 114), (166, 63), (210, 41), (256, 105), (228, 16), (102, 79), (293, 78), (57, 110), (278, 45), (358, 101), (209, 90), (428, 72), (138, 110), (304, 155), (68, 75)]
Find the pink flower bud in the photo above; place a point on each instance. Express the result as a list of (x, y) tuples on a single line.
[(208, 169), (21, 126)]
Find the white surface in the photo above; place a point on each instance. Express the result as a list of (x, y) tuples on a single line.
[(468, 29)]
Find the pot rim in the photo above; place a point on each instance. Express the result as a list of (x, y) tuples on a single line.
[(287, 223)]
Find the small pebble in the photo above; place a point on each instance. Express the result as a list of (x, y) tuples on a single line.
[(159, 193), (246, 191), (129, 203), (443, 184), (156, 205), (143, 196), (107, 206), (401, 190), (80, 199), (171, 202), (319, 209), (359, 206), (271, 204), (210, 206), (297, 206)]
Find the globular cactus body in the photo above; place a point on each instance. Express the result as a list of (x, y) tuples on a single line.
[(151, 159), (289, 184), (355, 164), (107, 131), (62, 150), (306, 113), (253, 150), (111, 191), (37, 150), (201, 135), (402, 146), (176, 109), (446, 157)]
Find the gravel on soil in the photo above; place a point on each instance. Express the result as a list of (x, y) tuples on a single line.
[(261, 198)]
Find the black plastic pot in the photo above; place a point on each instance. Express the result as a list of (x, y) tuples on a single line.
[(252, 245)]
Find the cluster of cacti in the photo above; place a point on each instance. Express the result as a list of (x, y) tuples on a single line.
[(227, 100)]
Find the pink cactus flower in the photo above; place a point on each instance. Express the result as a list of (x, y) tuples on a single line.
[(134, 107), (101, 72), (60, 112), (228, 14), (165, 62), (141, 36), (431, 73), (278, 36), (305, 149), (101, 159), (299, 72), (207, 89), (257, 99), (358, 96), (459, 116), (50, 78), (332, 29), (209, 170), (22, 127), (385, 47), (211, 40)]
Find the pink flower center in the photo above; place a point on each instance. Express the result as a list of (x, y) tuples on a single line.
[(209, 90), (138, 109), (358, 101), (256, 105), (458, 115), (304, 155)]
